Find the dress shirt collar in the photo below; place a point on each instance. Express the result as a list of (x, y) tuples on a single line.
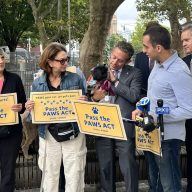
[(166, 64), (119, 70)]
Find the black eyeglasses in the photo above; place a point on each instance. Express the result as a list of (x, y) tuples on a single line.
[(62, 61)]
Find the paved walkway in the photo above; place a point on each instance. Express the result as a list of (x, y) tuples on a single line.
[(143, 187)]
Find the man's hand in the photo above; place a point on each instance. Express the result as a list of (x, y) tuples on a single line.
[(98, 93), (111, 76), (136, 113)]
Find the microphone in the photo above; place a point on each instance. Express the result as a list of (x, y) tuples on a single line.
[(160, 110), (143, 105)]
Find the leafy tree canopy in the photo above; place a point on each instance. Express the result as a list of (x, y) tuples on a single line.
[(51, 18), (15, 18), (162, 8), (110, 43)]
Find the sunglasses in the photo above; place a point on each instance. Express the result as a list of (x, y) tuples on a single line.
[(62, 61)]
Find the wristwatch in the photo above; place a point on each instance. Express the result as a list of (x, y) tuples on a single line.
[(113, 82)]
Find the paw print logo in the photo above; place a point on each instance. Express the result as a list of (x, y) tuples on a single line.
[(95, 110)]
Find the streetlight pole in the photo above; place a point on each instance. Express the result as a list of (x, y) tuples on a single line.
[(69, 27), (29, 44)]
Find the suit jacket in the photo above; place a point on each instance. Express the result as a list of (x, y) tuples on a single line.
[(142, 63), (127, 93), (188, 124), (187, 60)]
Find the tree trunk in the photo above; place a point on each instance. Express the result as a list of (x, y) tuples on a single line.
[(39, 23), (175, 27), (39, 16), (92, 45), (42, 32)]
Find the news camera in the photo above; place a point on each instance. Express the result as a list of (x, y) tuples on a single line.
[(148, 123)]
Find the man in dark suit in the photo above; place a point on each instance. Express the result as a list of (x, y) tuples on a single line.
[(186, 38), (126, 86), (142, 63)]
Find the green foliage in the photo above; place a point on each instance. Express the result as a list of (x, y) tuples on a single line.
[(137, 36), (17, 21), (162, 8), (79, 21), (15, 18), (79, 18), (110, 43), (33, 35)]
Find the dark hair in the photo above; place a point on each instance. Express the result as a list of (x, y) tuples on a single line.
[(125, 47), (50, 52), (159, 36), (152, 24), (99, 72)]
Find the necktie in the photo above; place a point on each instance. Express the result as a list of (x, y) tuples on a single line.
[(116, 73)]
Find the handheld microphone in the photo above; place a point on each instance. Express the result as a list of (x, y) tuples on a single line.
[(160, 111), (148, 121), (143, 105)]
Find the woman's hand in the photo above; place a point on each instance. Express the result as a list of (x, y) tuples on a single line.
[(29, 105), (16, 107), (83, 98)]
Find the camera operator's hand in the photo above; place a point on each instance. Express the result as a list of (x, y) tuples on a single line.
[(98, 93), (136, 113)]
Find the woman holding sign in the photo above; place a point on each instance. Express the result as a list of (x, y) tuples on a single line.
[(54, 148), (10, 131)]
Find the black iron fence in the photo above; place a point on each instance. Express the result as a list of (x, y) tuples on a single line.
[(28, 175)]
